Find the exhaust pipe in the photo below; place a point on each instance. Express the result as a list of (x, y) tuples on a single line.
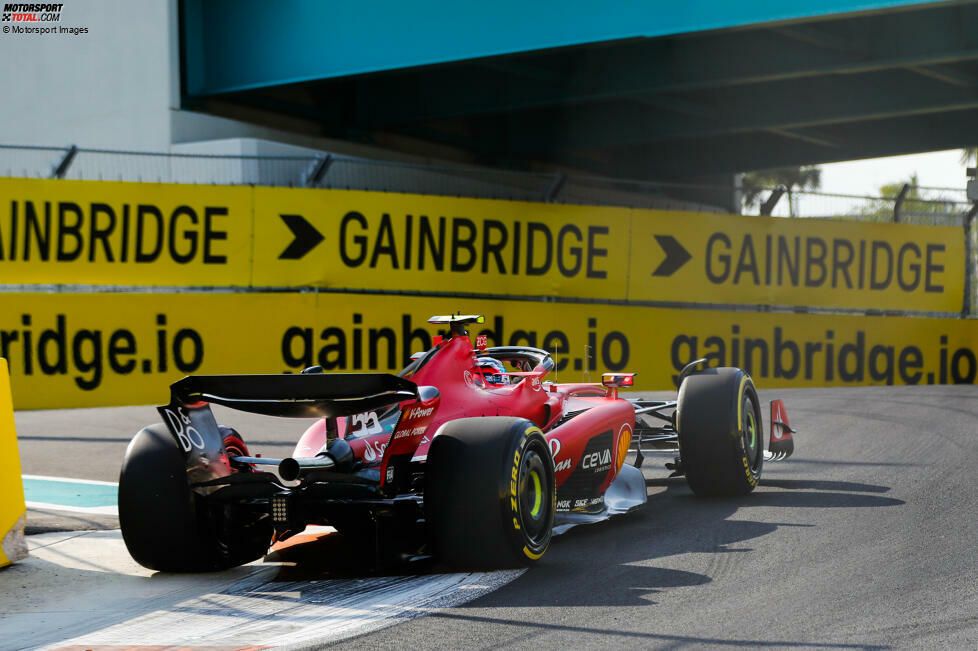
[(337, 454), (289, 469)]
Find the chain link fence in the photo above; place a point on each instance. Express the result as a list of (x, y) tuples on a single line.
[(334, 171), (947, 207)]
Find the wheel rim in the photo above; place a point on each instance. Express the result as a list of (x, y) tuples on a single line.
[(235, 447), (751, 435), (534, 489)]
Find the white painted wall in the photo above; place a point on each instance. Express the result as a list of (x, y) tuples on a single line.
[(108, 88), (116, 87)]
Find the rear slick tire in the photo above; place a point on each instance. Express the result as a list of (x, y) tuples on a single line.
[(165, 525), (490, 495), (718, 418)]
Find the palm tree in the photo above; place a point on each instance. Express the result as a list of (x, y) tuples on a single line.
[(969, 154), (805, 177)]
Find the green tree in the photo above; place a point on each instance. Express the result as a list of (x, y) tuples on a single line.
[(881, 209), (755, 185), (969, 156)]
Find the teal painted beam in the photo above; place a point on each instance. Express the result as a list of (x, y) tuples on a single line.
[(744, 152), (233, 45), (789, 105), (869, 43)]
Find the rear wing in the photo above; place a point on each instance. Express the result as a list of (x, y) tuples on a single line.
[(192, 424), (296, 396)]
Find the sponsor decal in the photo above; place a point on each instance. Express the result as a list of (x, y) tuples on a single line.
[(624, 441), (599, 461), (420, 412), (366, 424), (554, 447), (374, 450), (563, 464), (778, 417), (408, 433), (180, 425), (583, 503)]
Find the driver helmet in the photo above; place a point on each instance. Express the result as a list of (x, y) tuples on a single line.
[(493, 371)]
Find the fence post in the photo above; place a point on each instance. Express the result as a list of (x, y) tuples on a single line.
[(61, 168), (555, 187), (969, 220), (317, 171), (898, 204), (768, 206)]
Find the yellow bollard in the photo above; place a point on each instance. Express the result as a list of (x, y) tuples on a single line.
[(12, 508)]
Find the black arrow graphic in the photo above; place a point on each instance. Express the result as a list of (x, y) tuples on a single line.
[(676, 256), (306, 237)]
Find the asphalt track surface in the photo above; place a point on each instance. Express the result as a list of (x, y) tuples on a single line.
[(866, 538)]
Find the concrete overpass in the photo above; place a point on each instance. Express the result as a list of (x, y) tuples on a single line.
[(638, 90)]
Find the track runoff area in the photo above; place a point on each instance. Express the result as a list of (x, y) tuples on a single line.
[(681, 571), (879, 474)]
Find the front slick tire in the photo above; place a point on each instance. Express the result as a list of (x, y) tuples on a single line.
[(490, 495), (719, 421), (165, 526)]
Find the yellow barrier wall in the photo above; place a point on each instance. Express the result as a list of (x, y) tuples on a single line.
[(76, 350), (12, 509), (376, 240), (105, 233), (740, 259)]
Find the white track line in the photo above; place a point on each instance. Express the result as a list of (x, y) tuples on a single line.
[(109, 600), (91, 510), (70, 480)]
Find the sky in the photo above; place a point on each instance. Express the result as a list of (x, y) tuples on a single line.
[(938, 169), (942, 169)]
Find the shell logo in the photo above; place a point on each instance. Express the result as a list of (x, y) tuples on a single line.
[(624, 442)]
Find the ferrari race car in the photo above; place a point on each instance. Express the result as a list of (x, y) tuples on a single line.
[(453, 457)]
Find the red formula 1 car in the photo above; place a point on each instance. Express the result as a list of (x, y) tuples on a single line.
[(454, 456)]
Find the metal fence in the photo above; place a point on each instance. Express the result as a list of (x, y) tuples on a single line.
[(914, 205), (336, 171)]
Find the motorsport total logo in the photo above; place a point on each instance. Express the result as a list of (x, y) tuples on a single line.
[(31, 13)]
